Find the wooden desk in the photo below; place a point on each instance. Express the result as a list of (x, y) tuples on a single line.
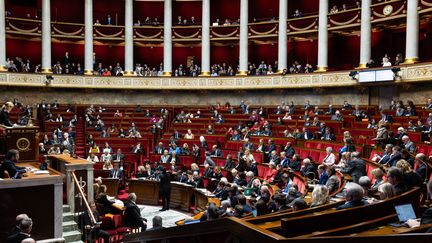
[(39, 196), (83, 170), (183, 196)]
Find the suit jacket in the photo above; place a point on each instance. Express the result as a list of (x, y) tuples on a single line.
[(289, 151), (118, 175), (427, 217), (295, 165), (410, 146), (159, 150), (4, 118), (307, 135), (132, 215), (421, 171), (165, 183), (229, 164), (394, 159), (332, 184), (13, 170), (216, 153), (177, 159), (356, 168), (17, 237), (118, 157), (270, 148)]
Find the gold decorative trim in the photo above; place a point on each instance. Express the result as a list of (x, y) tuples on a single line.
[(344, 23), (3, 68), (305, 28), (128, 73), (242, 73), (321, 69), (361, 66), (46, 71), (167, 74), (88, 72), (262, 33), (411, 60), (23, 145), (205, 74)]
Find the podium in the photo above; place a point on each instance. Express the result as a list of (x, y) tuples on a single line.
[(23, 139)]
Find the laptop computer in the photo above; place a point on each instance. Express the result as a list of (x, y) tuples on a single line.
[(404, 212)]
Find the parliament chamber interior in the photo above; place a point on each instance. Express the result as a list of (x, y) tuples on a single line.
[(215, 121)]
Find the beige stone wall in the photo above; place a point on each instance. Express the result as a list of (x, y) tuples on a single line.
[(262, 97), (355, 95)]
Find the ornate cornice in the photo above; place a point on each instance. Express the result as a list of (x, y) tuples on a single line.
[(409, 74)]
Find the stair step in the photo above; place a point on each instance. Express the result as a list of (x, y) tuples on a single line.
[(72, 236), (66, 208), (68, 217), (69, 226)]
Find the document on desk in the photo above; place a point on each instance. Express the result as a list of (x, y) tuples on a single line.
[(41, 172)]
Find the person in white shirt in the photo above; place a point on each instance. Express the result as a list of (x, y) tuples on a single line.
[(330, 158), (92, 158), (106, 156)]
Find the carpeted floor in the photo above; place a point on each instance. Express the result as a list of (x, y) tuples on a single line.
[(168, 217)]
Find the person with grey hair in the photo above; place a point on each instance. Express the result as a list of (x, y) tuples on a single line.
[(365, 183), (330, 158), (408, 144), (422, 166), (356, 167), (132, 214), (354, 197), (157, 223), (25, 227)]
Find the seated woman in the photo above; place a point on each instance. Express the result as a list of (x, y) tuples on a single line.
[(94, 149), (107, 165), (134, 134), (106, 156), (210, 129), (287, 116), (271, 173), (118, 114), (377, 174), (410, 177), (107, 148), (217, 173), (330, 158), (89, 139), (386, 190), (121, 133), (189, 135), (92, 158), (320, 196)]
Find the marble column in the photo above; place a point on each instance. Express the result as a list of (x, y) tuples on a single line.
[(365, 33), (129, 55), (205, 39), (46, 36), (244, 19), (323, 36), (167, 62), (283, 38), (2, 36), (412, 33), (88, 43), (58, 210)]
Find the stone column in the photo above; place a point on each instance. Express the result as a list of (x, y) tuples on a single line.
[(205, 39), (244, 19), (365, 33), (283, 39), (167, 62), (58, 210), (323, 36), (88, 43), (2, 36), (46, 36), (129, 55), (412, 33)]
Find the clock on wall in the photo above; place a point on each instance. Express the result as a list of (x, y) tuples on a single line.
[(387, 10)]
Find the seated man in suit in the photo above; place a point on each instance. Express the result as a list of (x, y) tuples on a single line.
[(132, 214), (22, 232), (408, 144), (159, 149), (157, 223), (423, 168), (395, 177), (116, 173), (118, 157), (385, 157), (356, 167), (216, 152), (307, 135), (15, 172), (354, 197)]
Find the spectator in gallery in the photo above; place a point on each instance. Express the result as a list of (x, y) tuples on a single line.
[(109, 20), (386, 61)]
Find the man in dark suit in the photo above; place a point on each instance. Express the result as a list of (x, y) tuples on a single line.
[(385, 157), (395, 156), (289, 150), (307, 135), (229, 164), (248, 145), (422, 169), (132, 214), (87, 221), (116, 173), (165, 189), (395, 177), (118, 157), (159, 149), (176, 135), (15, 172), (22, 232), (216, 152), (356, 167)]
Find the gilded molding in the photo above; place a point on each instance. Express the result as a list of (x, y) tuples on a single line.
[(409, 74)]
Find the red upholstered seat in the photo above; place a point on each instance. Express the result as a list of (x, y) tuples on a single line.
[(314, 155), (303, 153), (258, 157), (118, 225), (300, 184)]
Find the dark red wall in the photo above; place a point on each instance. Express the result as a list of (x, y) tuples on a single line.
[(225, 9), (187, 10), (148, 9), (263, 9), (25, 49), (225, 54)]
